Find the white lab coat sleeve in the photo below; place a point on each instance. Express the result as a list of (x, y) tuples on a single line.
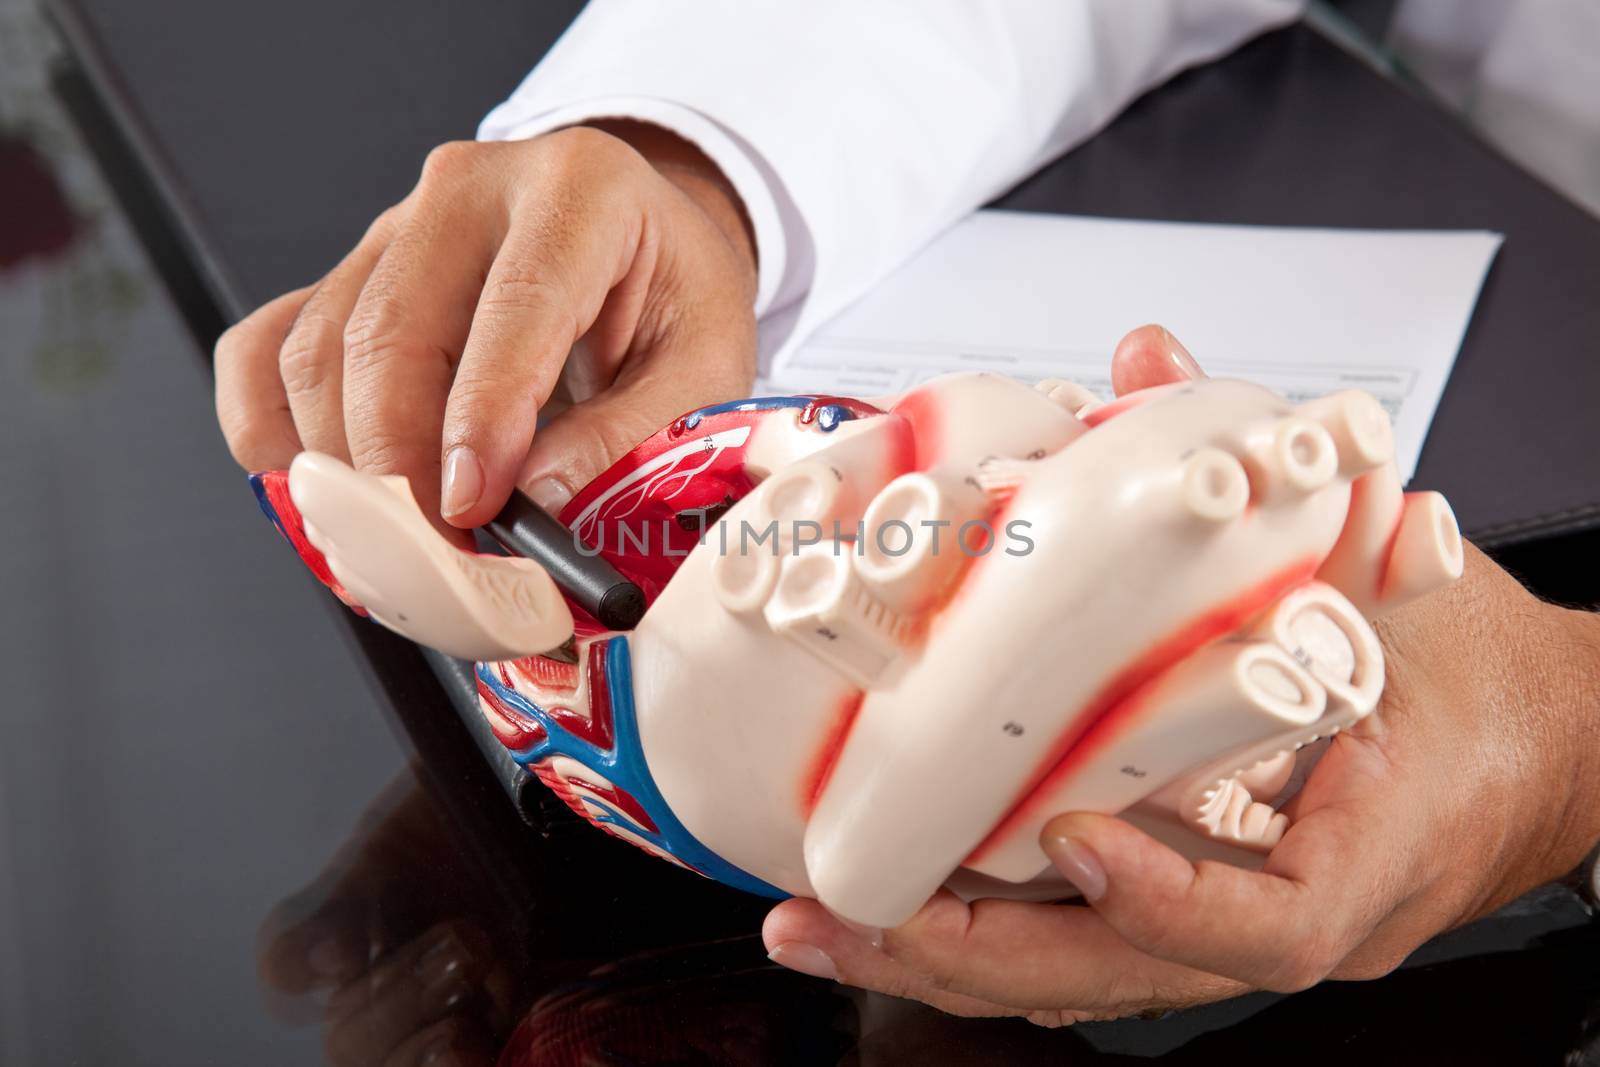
[(855, 132)]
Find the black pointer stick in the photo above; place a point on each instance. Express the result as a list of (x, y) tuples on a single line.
[(526, 529)]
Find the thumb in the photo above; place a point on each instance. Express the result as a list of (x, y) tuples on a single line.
[(579, 444), (1284, 927), (1151, 356)]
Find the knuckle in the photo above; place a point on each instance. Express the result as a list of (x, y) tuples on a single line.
[(1130, 991), (243, 342), (1366, 966), (387, 221), (610, 448), (379, 336), (372, 349), (253, 442), (584, 165), (897, 983), (472, 398), (374, 331), (250, 445), (940, 978), (450, 160), (516, 288), (1150, 928), (309, 354), (1308, 963), (579, 144), (521, 284), (935, 945), (232, 344), (379, 450), (619, 435)]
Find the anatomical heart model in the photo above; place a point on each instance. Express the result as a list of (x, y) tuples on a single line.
[(887, 641)]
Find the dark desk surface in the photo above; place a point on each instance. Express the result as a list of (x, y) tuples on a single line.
[(234, 749)]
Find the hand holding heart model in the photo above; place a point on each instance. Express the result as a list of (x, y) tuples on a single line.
[(887, 641)]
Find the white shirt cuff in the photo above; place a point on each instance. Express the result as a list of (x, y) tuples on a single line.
[(780, 278)]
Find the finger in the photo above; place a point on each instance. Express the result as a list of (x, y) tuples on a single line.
[(567, 251), (311, 359), (1254, 927), (802, 936), (433, 977), (406, 332), (1339, 869), (577, 446), (453, 1042), (1031, 957), (1151, 356), (312, 941), (251, 406), (328, 932)]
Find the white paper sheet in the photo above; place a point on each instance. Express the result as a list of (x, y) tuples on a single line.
[(1303, 311)]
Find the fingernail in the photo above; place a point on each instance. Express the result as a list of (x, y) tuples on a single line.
[(448, 998), (1180, 355), (807, 959), (1079, 864), (440, 968), (550, 494), (463, 481)]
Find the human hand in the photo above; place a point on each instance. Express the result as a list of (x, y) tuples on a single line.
[(396, 960), (1476, 781), (620, 270)]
